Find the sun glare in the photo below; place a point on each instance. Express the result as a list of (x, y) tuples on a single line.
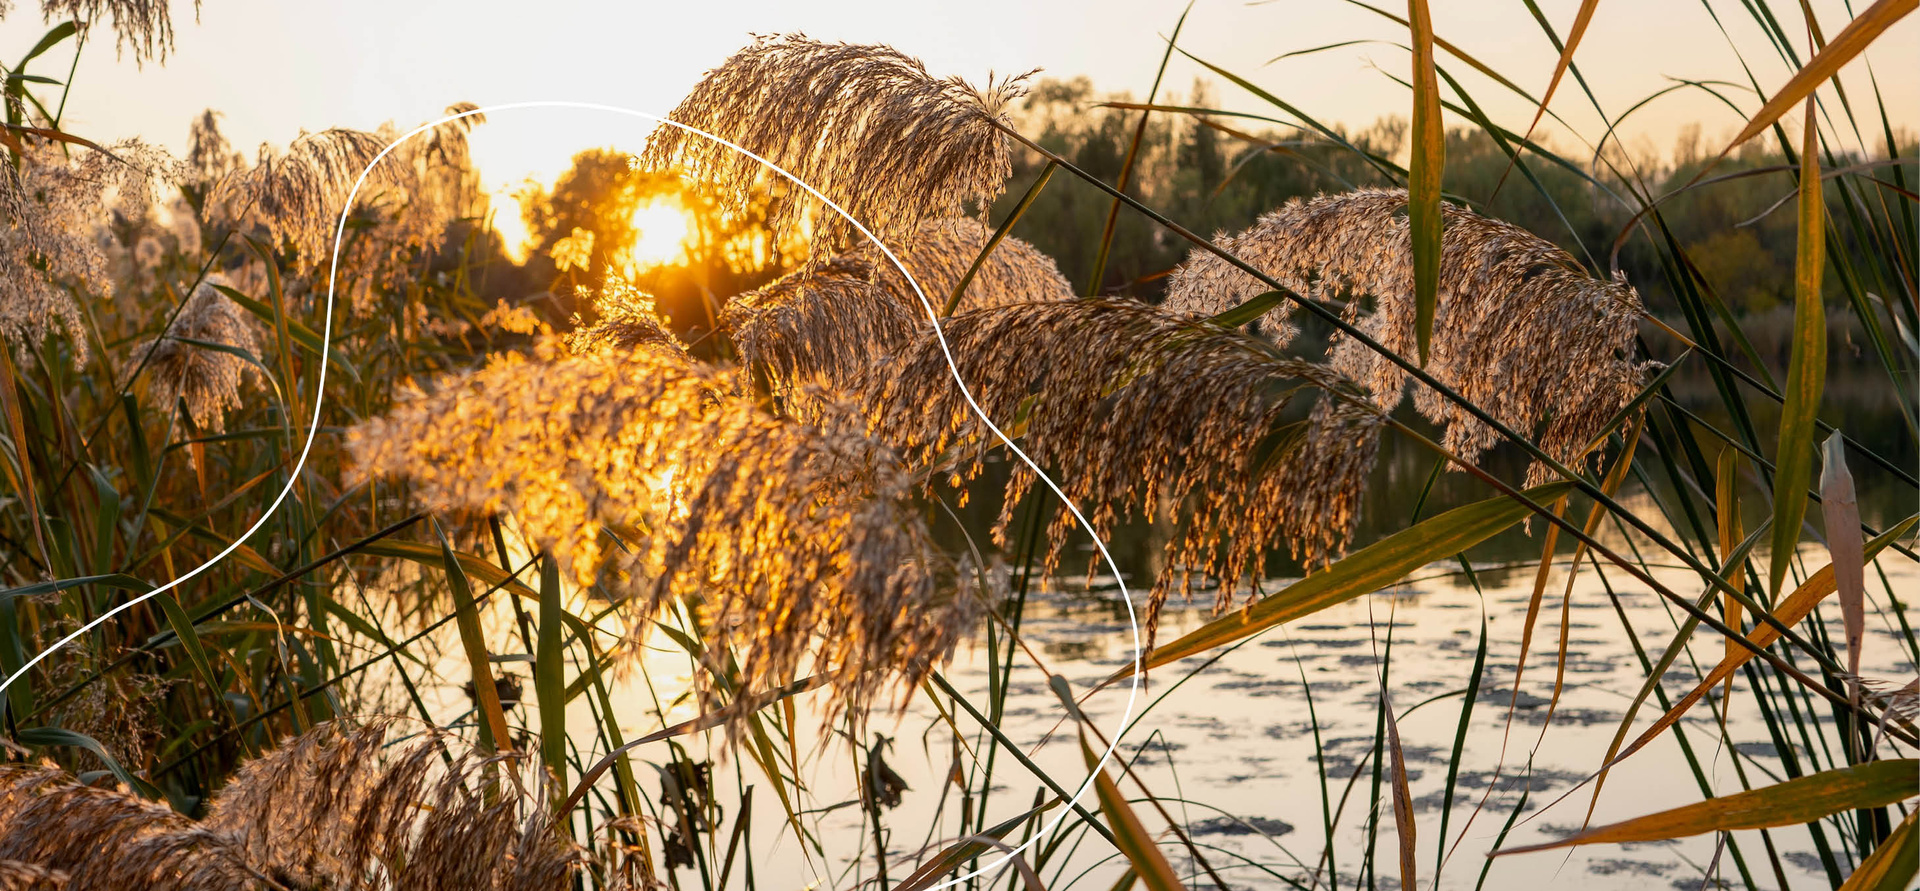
[(660, 230), (504, 216)]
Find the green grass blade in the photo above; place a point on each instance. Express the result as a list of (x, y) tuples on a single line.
[(197, 654), (494, 734), (549, 665), (60, 736)]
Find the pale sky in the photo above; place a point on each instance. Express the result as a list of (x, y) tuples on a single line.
[(273, 66)]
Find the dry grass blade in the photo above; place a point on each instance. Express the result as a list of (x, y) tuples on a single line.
[(1521, 330), (866, 125), (1140, 410), (1844, 543), (1580, 22), (1850, 42), (1403, 823)]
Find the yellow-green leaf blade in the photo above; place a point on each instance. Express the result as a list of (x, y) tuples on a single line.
[(1793, 802), (1806, 370), (1423, 177), (1364, 571), (1892, 865)]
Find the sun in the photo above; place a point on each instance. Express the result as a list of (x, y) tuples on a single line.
[(660, 230)]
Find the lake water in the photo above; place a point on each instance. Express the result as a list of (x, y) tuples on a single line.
[(1233, 753)]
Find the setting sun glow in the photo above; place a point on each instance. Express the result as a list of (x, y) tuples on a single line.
[(660, 230)]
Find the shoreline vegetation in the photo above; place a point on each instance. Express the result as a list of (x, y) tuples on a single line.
[(705, 463)]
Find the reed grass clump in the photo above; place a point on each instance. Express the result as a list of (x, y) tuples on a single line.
[(1134, 407), (180, 365), (866, 125), (336, 808), (1520, 330), (795, 538), (295, 198), (54, 213)]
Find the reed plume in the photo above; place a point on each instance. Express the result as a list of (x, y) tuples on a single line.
[(296, 197), (145, 26), (627, 319), (54, 214), (1135, 407), (1520, 329), (208, 380), (938, 254), (334, 808), (834, 318), (794, 538), (866, 125), (825, 323)]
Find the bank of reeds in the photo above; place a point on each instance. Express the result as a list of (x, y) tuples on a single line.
[(574, 506)]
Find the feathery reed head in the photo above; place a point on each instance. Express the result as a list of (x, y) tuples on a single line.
[(1520, 329), (296, 197), (627, 319), (53, 218), (938, 254), (333, 808), (563, 442), (824, 323), (866, 125), (794, 537), (1136, 407), (145, 26), (208, 379), (798, 543)]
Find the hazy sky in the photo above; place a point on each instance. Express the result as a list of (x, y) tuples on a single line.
[(273, 66)]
